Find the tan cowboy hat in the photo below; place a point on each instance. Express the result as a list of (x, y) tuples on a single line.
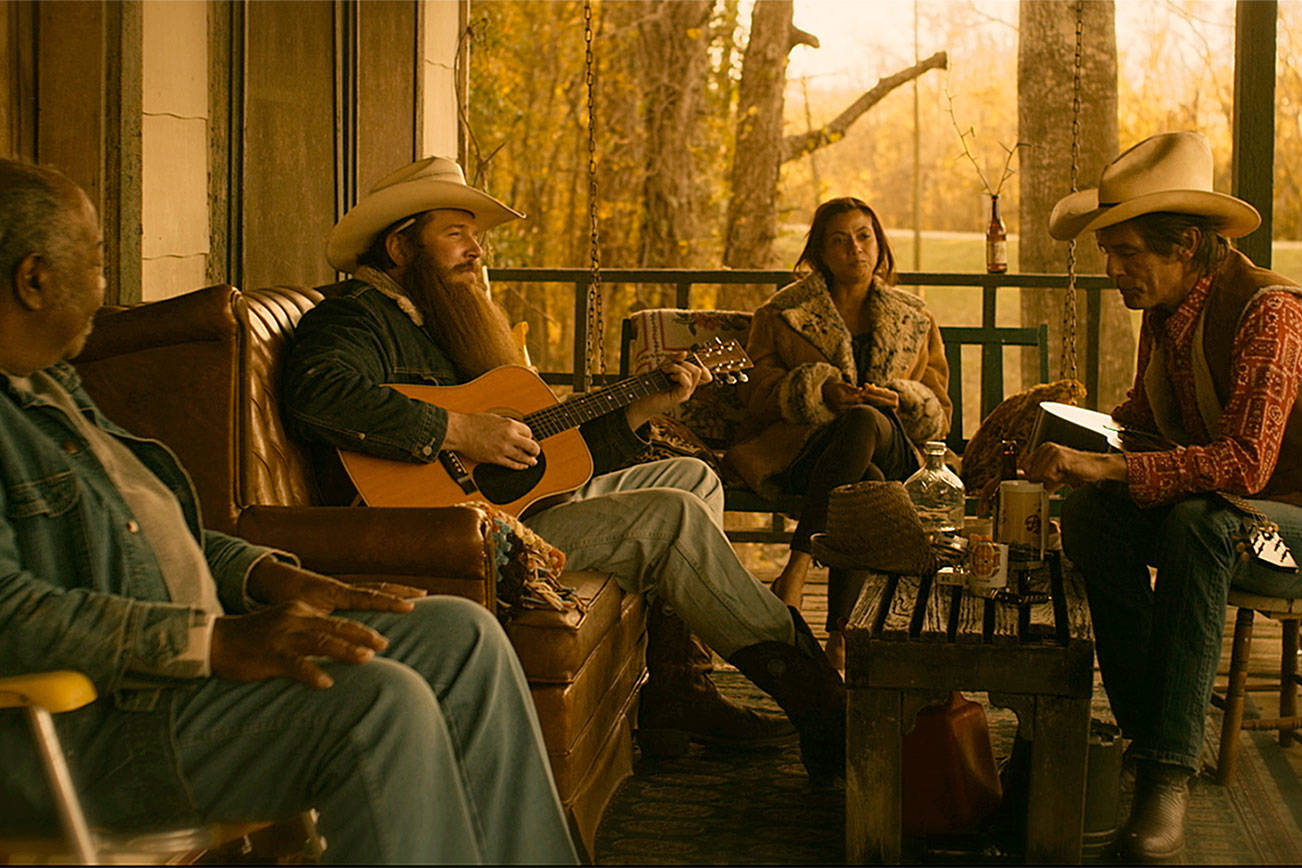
[(1166, 172), (873, 526), (434, 182)]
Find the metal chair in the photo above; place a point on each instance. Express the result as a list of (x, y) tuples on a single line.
[(1288, 612), (41, 695)]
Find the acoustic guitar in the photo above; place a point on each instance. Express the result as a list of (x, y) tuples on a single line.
[(517, 392)]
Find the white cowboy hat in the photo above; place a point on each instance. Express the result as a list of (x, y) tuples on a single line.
[(433, 182), (1166, 172)]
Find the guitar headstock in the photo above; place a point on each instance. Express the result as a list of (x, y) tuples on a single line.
[(726, 360)]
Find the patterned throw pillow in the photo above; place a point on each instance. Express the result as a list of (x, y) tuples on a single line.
[(1011, 420), (714, 412)]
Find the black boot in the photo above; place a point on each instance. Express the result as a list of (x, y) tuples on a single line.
[(680, 704), (1155, 832), (811, 693)]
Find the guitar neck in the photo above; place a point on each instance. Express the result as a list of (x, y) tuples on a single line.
[(573, 413)]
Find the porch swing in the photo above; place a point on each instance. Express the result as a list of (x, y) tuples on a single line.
[(647, 334)]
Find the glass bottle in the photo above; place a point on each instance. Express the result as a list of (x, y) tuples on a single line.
[(1007, 470), (996, 240), (937, 492), (1007, 459)]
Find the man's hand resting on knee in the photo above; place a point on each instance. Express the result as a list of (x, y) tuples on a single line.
[(282, 639)]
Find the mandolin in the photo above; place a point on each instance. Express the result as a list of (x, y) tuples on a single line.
[(517, 392)]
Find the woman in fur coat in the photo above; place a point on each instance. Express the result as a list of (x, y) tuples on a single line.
[(850, 380)]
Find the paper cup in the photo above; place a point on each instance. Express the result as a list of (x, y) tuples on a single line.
[(1022, 521), (987, 567)]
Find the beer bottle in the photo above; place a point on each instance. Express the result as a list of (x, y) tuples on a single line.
[(1007, 459), (1007, 470), (996, 240)]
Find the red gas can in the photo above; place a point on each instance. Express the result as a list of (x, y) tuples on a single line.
[(950, 781)]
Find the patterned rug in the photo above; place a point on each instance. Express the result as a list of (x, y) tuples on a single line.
[(714, 807)]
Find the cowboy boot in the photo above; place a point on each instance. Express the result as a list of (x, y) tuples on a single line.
[(1155, 832), (680, 704), (810, 691)]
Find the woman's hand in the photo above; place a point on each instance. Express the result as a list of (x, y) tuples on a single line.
[(841, 396), (880, 396)]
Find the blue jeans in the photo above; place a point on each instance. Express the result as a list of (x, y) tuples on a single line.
[(430, 753), (659, 528), (1159, 642)]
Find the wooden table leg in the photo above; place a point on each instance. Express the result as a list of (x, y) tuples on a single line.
[(873, 776), (1056, 813)]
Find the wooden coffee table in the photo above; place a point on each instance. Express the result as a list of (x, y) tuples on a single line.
[(909, 642)]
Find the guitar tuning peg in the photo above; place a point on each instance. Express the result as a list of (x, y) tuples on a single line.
[(729, 378), (742, 378)]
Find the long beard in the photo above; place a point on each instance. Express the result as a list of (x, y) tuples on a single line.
[(461, 317)]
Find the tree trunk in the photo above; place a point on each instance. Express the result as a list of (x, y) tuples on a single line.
[(673, 63), (1045, 63), (752, 221)]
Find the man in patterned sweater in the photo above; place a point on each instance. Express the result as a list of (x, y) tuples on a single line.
[(1218, 370)]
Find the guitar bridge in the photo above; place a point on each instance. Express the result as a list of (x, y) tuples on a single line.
[(452, 464)]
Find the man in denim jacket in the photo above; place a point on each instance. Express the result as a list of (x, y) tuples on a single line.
[(417, 312), (228, 689)]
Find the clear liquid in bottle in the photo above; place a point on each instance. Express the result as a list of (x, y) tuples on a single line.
[(937, 493)]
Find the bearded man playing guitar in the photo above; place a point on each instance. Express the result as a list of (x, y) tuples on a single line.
[(417, 313), (1220, 355)]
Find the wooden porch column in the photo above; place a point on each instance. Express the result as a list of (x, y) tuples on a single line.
[(1253, 167)]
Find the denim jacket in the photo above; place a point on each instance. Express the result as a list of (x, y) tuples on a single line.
[(80, 589), (347, 347)]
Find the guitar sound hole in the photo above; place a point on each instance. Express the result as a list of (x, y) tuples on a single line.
[(500, 484)]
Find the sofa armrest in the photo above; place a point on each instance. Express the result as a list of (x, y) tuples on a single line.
[(418, 546), (203, 315)]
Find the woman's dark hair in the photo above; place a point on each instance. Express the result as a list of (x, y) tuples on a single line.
[(1163, 230), (811, 258)]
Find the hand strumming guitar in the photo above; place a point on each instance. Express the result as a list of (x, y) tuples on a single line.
[(492, 439), (684, 374)]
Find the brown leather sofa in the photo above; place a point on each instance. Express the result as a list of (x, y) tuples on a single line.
[(201, 371)]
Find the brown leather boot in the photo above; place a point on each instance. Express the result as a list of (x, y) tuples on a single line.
[(680, 704), (810, 691), (1155, 833)]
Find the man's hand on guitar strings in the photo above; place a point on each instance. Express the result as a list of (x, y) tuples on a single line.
[(487, 438), (1056, 465), (685, 374)]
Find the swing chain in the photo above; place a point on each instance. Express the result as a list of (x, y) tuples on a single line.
[(1068, 365), (595, 346)]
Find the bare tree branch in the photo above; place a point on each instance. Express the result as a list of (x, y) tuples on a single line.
[(795, 146), (970, 133), (801, 37)]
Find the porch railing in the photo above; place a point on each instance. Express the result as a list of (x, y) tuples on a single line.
[(685, 280)]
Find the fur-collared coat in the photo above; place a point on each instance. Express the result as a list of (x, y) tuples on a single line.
[(798, 341)]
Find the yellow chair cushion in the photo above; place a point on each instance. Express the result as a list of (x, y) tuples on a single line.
[(61, 690)]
